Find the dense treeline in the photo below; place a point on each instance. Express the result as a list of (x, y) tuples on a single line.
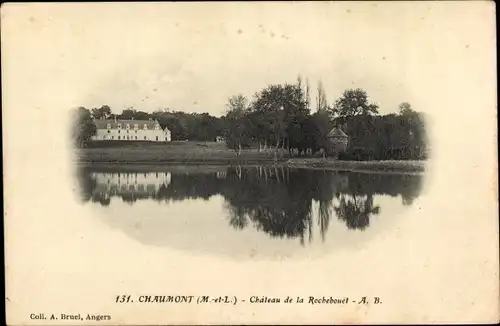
[(391, 136), (279, 118), (182, 125), (82, 127)]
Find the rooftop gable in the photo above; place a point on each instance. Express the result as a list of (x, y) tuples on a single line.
[(337, 132), (103, 123)]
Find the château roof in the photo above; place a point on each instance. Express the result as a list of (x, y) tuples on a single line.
[(337, 132), (103, 123)]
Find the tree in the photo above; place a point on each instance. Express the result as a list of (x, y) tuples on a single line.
[(103, 112), (354, 102), (279, 114), (308, 95), (405, 109), (237, 109), (311, 132), (299, 81), (83, 127), (141, 115), (269, 105), (295, 115), (414, 132), (238, 104), (128, 114), (322, 128), (321, 103)]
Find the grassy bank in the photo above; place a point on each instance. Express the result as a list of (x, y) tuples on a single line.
[(210, 153), (382, 166), (177, 152)]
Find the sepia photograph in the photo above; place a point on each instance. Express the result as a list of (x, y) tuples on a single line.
[(270, 166), (248, 163)]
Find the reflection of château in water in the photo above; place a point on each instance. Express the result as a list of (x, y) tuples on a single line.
[(221, 174), (129, 186), (276, 200)]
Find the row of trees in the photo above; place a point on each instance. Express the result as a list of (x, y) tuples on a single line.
[(279, 117), (392, 136)]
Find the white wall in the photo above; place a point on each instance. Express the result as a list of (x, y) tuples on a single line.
[(132, 134)]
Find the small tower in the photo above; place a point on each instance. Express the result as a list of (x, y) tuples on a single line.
[(338, 140)]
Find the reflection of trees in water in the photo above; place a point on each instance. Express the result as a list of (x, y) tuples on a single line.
[(278, 200), (189, 186), (324, 185), (237, 217), (86, 184), (267, 197), (103, 200), (405, 185), (355, 210), (325, 211)]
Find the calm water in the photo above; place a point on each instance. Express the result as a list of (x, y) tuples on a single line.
[(236, 209)]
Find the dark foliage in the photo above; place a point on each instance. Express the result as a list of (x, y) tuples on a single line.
[(279, 118), (278, 200), (389, 137)]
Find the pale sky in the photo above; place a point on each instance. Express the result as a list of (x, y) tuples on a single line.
[(193, 56), (195, 61)]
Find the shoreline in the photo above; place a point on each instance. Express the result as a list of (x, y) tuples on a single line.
[(309, 163), (370, 166), (204, 154)]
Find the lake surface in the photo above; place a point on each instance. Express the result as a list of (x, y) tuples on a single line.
[(248, 210)]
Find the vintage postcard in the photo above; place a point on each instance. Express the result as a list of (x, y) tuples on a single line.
[(250, 163)]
